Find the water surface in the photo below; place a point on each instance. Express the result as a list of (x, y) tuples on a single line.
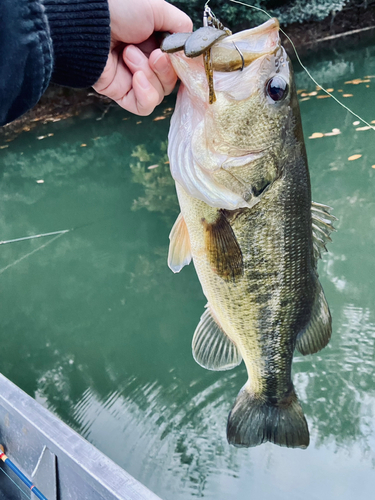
[(97, 328)]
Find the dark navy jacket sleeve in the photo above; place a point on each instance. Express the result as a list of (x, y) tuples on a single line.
[(64, 41), (80, 31), (25, 56)]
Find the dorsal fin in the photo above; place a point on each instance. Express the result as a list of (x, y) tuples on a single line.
[(318, 331), (179, 254), (212, 348), (322, 227)]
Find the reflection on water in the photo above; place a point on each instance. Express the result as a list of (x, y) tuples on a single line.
[(96, 327), (159, 191)]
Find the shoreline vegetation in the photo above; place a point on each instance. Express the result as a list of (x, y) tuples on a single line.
[(354, 22)]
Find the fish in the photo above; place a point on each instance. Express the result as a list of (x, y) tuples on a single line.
[(249, 224)]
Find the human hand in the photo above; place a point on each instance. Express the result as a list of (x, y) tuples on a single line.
[(138, 74)]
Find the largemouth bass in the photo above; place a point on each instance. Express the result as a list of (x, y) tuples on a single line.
[(238, 157)]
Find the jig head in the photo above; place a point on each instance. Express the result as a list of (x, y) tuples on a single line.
[(199, 42)]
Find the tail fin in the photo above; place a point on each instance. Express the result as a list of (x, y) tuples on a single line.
[(253, 421)]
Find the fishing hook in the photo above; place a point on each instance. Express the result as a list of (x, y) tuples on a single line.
[(241, 55)]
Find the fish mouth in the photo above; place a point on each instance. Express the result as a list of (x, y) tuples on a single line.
[(239, 50), (260, 38)]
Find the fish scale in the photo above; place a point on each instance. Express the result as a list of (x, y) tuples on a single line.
[(247, 221)]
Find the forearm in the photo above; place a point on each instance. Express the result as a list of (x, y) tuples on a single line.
[(25, 56), (73, 43), (66, 41)]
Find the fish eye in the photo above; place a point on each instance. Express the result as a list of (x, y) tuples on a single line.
[(277, 88)]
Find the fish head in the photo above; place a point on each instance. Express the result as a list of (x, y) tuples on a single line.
[(251, 120)]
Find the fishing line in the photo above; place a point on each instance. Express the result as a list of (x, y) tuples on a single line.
[(42, 235), (57, 235), (13, 467), (303, 66), (14, 482), (5, 242), (32, 252)]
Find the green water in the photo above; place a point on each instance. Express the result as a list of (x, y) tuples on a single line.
[(97, 328)]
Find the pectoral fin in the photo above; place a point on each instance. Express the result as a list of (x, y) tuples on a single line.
[(222, 247), (212, 348), (318, 331), (322, 227), (179, 254)]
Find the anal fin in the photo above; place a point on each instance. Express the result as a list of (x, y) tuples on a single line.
[(318, 331), (212, 348), (179, 254)]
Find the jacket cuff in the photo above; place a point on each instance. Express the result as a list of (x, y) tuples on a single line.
[(81, 35)]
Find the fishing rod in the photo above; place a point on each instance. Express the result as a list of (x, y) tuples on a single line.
[(21, 476)]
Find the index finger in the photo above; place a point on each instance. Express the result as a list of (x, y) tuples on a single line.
[(167, 17)]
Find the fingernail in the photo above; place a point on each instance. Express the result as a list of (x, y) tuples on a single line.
[(142, 80), (162, 64), (134, 55)]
